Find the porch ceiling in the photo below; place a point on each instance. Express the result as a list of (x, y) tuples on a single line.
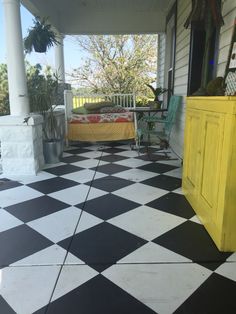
[(103, 16)]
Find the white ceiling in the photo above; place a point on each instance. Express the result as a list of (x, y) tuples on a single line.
[(103, 16)]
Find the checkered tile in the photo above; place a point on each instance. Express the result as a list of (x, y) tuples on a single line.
[(108, 231)]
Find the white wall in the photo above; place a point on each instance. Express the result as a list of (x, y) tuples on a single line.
[(161, 59), (182, 60), (229, 14), (181, 73)]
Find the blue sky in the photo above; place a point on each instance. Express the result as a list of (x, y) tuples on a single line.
[(73, 56)]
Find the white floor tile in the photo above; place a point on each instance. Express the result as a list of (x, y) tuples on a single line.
[(87, 221), (140, 193), (177, 173), (48, 166), (83, 176), (97, 147), (73, 260), (179, 191), (146, 222), (42, 175), (93, 193), (162, 287), (89, 163), (128, 153), (196, 219), (93, 154), (53, 255), (28, 289), (153, 253), (66, 154), (232, 258), (8, 221), (74, 195), (132, 162), (17, 195), (136, 175), (174, 162), (228, 270), (72, 277), (77, 194), (59, 225)]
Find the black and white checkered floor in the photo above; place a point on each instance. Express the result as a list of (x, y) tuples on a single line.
[(107, 232)]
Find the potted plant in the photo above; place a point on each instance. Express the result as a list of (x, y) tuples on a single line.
[(156, 103), (43, 92), (40, 37)]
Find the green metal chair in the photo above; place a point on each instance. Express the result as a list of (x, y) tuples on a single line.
[(150, 122)]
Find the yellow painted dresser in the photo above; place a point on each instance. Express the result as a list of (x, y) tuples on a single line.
[(209, 167)]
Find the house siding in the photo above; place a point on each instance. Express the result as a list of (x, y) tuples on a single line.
[(161, 59), (182, 60), (181, 73), (229, 14)]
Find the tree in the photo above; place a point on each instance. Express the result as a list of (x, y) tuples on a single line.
[(117, 63), (4, 95), (36, 81)]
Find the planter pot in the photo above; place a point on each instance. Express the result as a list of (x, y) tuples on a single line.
[(154, 104), (52, 151), (40, 47)]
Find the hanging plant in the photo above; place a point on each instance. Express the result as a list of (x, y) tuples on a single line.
[(40, 37)]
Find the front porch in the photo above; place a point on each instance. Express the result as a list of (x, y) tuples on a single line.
[(106, 231)]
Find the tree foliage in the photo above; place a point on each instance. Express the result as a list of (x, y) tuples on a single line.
[(37, 79), (4, 95), (117, 63)]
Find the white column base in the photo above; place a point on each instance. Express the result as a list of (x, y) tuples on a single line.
[(21, 145)]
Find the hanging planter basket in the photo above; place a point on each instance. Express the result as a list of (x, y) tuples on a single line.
[(40, 47), (40, 37)]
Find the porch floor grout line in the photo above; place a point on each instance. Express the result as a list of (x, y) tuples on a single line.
[(77, 224)]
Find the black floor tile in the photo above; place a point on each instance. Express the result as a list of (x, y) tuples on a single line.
[(164, 182), (5, 307), (157, 167), (71, 159), (19, 242), (108, 206), (103, 245), (8, 184), (36, 208), (109, 183), (110, 168), (52, 185), (98, 296), (112, 158), (65, 169), (215, 296), (175, 204), (191, 240)]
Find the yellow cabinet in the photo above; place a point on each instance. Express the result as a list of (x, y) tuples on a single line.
[(209, 173)]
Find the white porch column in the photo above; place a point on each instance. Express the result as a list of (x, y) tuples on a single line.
[(59, 59), (20, 135), (19, 102)]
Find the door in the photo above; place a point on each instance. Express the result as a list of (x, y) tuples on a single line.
[(210, 165), (192, 154)]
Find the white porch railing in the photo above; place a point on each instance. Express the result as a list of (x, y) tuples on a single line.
[(124, 100)]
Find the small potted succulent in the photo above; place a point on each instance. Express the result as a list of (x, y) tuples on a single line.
[(40, 37), (156, 103)]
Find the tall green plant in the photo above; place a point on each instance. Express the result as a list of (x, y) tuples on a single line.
[(43, 91)]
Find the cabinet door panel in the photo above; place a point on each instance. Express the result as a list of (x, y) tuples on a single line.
[(212, 144), (192, 150)]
